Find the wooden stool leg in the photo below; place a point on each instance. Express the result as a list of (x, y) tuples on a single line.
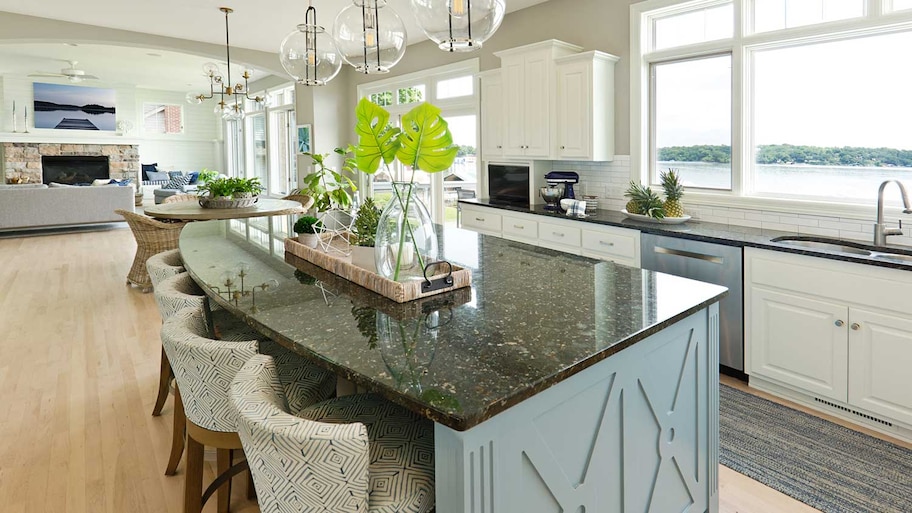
[(193, 483), (223, 463), (177, 435), (251, 490), (164, 382)]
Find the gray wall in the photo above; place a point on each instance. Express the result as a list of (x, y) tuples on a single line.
[(593, 24)]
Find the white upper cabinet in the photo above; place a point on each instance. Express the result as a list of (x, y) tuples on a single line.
[(529, 102), (492, 109), (585, 106)]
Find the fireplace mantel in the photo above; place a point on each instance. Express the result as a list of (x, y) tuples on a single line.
[(70, 137)]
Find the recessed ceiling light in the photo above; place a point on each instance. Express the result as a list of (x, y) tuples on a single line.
[(154, 54), (70, 44)]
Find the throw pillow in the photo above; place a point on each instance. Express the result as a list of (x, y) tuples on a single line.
[(158, 176), (175, 174), (194, 176), (148, 167), (101, 181), (177, 183)]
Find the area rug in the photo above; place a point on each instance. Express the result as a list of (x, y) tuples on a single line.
[(822, 464)]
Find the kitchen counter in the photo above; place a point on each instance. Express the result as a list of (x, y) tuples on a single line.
[(565, 345), (741, 236)]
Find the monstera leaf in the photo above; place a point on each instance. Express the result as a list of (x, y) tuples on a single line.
[(376, 139), (426, 142)]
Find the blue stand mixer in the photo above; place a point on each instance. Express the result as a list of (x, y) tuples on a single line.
[(564, 180)]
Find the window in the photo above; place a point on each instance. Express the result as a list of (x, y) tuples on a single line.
[(452, 89), (267, 149), (161, 118), (692, 120), (806, 104)]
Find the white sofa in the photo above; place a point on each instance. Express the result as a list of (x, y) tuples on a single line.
[(23, 207)]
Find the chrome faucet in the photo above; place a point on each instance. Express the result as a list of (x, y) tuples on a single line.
[(880, 230)]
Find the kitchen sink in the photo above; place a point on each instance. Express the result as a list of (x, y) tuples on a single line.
[(834, 245), (894, 257)]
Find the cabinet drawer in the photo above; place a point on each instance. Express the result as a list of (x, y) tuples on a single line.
[(611, 244), (520, 227), (482, 221), (558, 234)]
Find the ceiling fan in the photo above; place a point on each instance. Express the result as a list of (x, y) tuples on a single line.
[(73, 74)]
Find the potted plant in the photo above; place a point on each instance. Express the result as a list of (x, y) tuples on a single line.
[(365, 228), (206, 175), (406, 237), (229, 192), (308, 228), (329, 188)]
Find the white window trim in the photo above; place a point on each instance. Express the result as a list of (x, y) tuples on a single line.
[(741, 45)]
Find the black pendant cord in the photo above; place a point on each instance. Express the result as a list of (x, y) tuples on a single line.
[(469, 20), (227, 54), (364, 33), (377, 30), (450, 19), (310, 20)]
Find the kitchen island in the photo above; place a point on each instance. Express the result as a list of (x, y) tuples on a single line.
[(556, 382)]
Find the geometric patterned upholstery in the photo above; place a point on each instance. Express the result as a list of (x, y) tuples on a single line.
[(358, 453), (178, 292), (163, 265), (204, 368)]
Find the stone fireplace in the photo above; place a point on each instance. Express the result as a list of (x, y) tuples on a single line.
[(22, 161)]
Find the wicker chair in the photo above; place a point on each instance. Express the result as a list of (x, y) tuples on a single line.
[(152, 237), (180, 197)]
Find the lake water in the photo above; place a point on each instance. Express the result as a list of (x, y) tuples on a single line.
[(849, 183), (51, 118)]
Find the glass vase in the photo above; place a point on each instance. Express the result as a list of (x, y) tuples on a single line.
[(406, 237)]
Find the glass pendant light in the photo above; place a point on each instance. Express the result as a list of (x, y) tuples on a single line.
[(309, 53), (370, 36), (459, 25)]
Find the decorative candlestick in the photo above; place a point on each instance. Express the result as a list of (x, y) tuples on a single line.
[(26, 118), (15, 128)]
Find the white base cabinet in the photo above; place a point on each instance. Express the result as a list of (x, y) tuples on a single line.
[(620, 245), (836, 336)]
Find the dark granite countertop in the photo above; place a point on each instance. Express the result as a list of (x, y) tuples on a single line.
[(742, 236), (532, 318)]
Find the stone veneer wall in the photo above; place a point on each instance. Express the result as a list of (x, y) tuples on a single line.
[(22, 161)]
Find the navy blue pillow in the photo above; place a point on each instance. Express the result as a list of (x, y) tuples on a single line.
[(148, 167), (194, 176)]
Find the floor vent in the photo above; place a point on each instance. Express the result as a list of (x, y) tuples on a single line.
[(853, 412)]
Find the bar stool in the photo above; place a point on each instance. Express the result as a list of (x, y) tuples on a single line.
[(160, 267), (354, 453), (203, 368)]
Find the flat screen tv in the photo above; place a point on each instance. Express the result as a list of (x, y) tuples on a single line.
[(508, 184)]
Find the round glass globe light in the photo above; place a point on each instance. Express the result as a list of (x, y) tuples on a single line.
[(370, 45), (313, 66), (193, 98), (447, 22)]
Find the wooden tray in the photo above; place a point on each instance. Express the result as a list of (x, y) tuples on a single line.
[(399, 292)]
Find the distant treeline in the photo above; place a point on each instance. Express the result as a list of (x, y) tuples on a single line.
[(791, 154), (89, 109)]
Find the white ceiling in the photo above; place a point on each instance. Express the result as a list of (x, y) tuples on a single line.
[(259, 26)]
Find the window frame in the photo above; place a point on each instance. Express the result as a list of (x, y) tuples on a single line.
[(165, 133), (743, 45)]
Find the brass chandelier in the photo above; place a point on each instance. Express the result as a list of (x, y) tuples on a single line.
[(223, 89)]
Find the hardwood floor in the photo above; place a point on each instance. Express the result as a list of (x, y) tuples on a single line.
[(79, 361)]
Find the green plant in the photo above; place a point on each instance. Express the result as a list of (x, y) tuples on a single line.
[(229, 187), (307, 224), (366, 223), (206, 175), (328, 187), (424, 143)]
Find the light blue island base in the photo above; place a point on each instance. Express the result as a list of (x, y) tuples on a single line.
[(636, 432)]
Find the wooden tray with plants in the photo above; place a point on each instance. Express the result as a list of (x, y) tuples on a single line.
[(338, 263)]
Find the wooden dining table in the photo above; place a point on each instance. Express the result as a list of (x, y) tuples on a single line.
[(192, 211)]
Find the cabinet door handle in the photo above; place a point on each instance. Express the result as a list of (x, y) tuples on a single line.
[(839, 323), (558, 234), (499, 146), (563, 147), (518, 227), (603, 243), (856, 326), (479, 219)]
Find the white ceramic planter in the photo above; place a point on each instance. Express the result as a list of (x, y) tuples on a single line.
[(363, 257), (309, 239)]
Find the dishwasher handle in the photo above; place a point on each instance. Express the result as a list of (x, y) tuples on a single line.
[(689, 254)]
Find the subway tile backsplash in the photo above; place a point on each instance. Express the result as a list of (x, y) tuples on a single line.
[(609, 180)]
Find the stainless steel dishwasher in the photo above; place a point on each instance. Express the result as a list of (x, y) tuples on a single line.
[(713, 263)]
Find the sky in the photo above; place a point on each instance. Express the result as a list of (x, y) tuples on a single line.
[(74, 95), (844, 93)]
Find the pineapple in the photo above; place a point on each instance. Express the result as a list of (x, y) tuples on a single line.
[(644, 201), (673, 192)]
